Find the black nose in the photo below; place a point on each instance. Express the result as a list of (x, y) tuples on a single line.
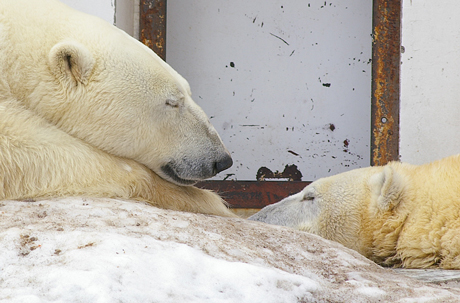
[(223, 164)]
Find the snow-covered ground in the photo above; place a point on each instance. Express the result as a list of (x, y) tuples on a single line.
[(103, 250)]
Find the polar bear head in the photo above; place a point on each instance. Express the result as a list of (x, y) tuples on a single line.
[(345, 208), (116, 94)]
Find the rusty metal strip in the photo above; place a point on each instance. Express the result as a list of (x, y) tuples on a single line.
[(253, 194), (152, 25), (386, 58)]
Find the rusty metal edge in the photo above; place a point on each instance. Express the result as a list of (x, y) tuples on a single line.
[(386, 58), (152, 25), (253, 194)]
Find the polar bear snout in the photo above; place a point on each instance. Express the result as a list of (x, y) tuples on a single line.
[(189, 171), (222, 164)]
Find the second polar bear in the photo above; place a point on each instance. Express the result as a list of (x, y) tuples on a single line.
[(398, 215)]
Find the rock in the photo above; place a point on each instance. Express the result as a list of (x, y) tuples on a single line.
[(53, 245)]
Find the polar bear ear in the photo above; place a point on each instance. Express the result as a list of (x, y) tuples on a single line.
[(71, 62), (387, 188)]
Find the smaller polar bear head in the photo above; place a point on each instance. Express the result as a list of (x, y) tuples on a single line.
[(340, 207), (119, 96)]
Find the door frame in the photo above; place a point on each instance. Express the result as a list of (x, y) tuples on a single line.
[(385, 99)]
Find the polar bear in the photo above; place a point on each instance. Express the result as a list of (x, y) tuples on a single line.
[(397, 215), (85, 109)]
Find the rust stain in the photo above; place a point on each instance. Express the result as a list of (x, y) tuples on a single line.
[(293, 152), (386, 57), (346, 143), (290, 172), (253, 194), (152, 25)]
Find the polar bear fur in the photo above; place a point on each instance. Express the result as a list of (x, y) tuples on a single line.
[(85, 109), (397, 215)]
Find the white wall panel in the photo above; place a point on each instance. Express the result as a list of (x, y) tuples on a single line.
[(123, 13), (104, 9), (284, 82), (430, 81)]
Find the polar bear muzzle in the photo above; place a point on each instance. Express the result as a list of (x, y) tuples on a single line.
[(188, 172)]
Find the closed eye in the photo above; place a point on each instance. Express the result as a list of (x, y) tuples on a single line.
[(172, 103), (308, 197)]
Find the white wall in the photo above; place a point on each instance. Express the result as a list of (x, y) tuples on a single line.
[(430, 80), (430, 72), (104, 9), (123, 13), (284, 81)]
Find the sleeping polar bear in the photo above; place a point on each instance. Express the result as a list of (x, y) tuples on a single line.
[(398, 215), (87, 110)]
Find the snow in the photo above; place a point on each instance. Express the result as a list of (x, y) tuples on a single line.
[(129, 269), (104, 250)]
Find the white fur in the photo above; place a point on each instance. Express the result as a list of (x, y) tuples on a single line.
[(398, 214), (98, 84), (84, 106)]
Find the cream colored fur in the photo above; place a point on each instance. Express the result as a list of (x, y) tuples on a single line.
[(398, 215), (38, 161), (83, 107)]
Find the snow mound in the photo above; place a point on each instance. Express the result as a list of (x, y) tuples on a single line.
[(105, 250)]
